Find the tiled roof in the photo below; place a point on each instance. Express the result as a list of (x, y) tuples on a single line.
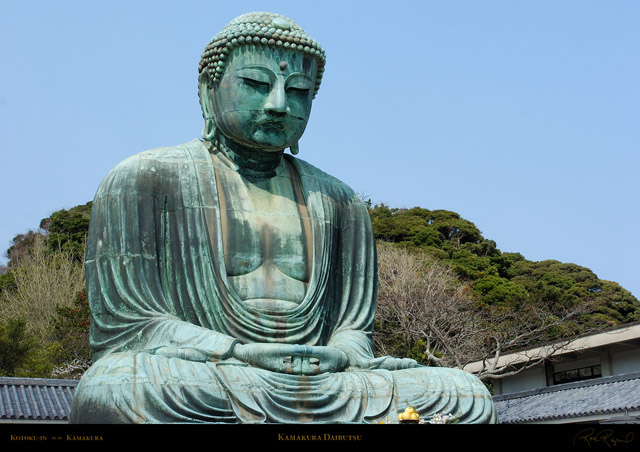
[(607, 395), (35, 399)]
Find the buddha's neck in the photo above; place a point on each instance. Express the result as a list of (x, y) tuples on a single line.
[(251, 162)]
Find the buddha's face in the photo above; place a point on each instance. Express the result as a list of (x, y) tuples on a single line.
[(263, 100)]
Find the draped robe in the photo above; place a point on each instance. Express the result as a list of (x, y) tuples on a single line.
[(164, 317)]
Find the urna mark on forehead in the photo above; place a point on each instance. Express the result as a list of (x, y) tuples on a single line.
[(278, 61)]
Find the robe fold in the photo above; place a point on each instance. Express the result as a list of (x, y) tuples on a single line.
[(165, 317)]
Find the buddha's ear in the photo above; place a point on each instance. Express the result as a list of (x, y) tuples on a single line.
[(206, 103), (206, 98)]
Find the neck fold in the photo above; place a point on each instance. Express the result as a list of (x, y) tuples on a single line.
[(251, 162)]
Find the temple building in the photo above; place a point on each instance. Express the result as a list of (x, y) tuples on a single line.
[(594, 379)]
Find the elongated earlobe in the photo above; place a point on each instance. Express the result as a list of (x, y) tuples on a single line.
[(295, 148), (210, 131)]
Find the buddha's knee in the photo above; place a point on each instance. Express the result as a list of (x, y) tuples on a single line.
[(141, 388), (439, 378), (430, 383), (105, 392), (433, 390)]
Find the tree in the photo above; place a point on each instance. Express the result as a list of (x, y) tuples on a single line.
[(425, 312), (43, 297), (67, 230), (420, 305), (44, 287), (7, 281), (505, 279), (70, 329), (15, 345), (44, 280), (21, 246)]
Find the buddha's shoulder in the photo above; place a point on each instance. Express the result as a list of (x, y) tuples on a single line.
[(328, 183), (172, 156), (159, 169), (306, 169)]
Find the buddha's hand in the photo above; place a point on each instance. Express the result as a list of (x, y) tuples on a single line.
[(383, 362), (185, 353), (391, 363), (292, 359)]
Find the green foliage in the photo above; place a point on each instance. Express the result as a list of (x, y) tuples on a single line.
[(44, 275), (7, 281), (21, 247), (67, 229), (22, 354), (64, 352), (70, 329), (44, 280), (40, 362), (495, 290), (64, 231), (15, 345), (507, 280)]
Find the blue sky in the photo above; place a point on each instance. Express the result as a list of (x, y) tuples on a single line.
[(522, 116)]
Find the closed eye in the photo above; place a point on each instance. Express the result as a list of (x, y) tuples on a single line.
[(255, 83), (299, 91)]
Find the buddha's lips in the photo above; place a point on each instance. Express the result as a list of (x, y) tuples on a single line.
[(271, 124)]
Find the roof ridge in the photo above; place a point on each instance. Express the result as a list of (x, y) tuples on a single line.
[(568, 386), (33, 399), (30, 381)]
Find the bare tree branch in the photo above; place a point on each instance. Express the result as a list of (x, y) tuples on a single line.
[(421, 302)]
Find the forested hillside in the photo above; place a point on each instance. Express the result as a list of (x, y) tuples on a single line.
[(487, 302), (502, 279), (44, 313), (447, 295)]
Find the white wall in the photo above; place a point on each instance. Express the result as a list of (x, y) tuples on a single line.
[(525, 380), (625, 362)]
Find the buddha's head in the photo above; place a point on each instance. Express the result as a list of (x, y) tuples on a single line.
[(258, 78)]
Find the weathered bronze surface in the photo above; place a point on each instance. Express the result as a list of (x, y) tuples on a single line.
[(231, 282)]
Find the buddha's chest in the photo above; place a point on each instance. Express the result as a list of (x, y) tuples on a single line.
[(265, 235), (254, 238)]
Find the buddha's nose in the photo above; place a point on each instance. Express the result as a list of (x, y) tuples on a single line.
[(277, 101)]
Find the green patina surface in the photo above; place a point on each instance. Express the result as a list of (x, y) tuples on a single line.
[(231, 282)]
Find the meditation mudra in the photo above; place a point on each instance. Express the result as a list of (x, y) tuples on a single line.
[(230, 282)]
